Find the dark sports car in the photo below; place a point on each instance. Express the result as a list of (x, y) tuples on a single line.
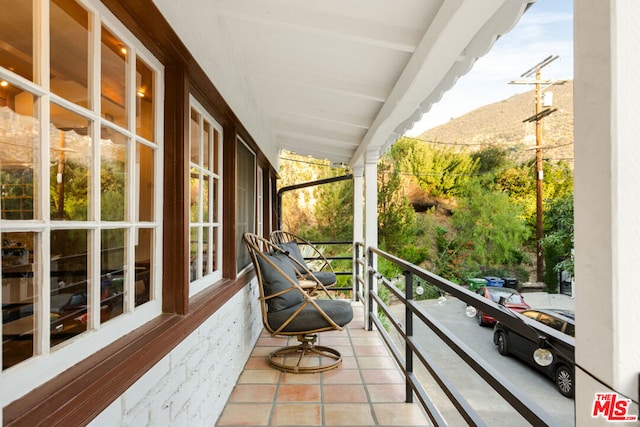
[(555, 365)]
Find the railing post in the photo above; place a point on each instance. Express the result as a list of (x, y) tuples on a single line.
[(356, 271), (369, 296), (408, 321)]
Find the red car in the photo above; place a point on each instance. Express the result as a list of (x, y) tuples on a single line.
[(512, 300)]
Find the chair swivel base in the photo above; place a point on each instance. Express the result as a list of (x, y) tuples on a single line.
[(296, 359)]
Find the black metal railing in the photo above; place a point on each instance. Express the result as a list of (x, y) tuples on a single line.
[(528, 408), (342, 263)]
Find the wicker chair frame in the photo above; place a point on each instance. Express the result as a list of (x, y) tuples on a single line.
[(306, 357), (281, 236)]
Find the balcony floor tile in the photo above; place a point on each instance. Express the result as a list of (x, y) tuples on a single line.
[(366, 390)]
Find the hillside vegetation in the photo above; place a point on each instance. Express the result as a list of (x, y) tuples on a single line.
[(459, 200), (502, 124)]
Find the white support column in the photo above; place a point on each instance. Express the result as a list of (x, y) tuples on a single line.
[(358, 216), (607, 202), (370, 213)]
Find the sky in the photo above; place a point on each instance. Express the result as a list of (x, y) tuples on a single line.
[(545, 29)]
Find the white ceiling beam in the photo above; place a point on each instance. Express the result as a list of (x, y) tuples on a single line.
[(326, 142), (332, 26), (317, 133), (285, 110), (264, 69)]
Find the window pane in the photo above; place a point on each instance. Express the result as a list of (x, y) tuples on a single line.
[(70, 159), (144, 265), (193, 253), (205, 199), (206, 265), (112, 273), (194, 196), (69, 54), (145, 100), (206, 144), (18, 297), (69, 290), (194, 136), (19, 150), (113, 175), (113, 86), (146, 191), (214, 201), (16, 33), (215, 249), (245, 196), (216, 142)]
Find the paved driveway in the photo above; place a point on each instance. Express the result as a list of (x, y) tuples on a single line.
[(482, 397)]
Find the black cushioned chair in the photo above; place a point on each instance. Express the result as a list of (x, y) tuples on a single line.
[(288, 309), (320, 267)]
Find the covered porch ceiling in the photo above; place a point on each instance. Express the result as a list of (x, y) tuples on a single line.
[(334, 79)]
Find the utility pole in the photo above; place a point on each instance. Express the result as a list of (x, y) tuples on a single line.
[(540, 113)]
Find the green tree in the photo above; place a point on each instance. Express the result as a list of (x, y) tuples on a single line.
[(557, 243), (441, 172), (490, 159), (396, 217), (333, 210), (493, 226)]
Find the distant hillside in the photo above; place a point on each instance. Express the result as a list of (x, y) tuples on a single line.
[(502, 123)]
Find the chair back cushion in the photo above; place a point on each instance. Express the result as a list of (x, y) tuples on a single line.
[(294, 251), (274, 282)]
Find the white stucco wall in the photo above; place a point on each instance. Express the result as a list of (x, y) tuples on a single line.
[(607, 202), (191, 385)]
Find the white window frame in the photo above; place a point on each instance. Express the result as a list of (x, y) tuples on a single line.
[(203, 281), (47, 363)]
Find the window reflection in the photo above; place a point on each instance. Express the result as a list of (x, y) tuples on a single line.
[(19, 297), (69, 42), (113, 169), (113, 100), (144, 266), (194, 137), (112, 273), (82, 57), (70, 162), (69, 284), (193, 253), (145, 169), (19, 149), (206, 252), (145, 100), (16, 32), (194, 196)]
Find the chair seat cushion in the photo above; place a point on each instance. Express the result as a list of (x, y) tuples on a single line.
[(309, 319), (327, 278), (275, 281)]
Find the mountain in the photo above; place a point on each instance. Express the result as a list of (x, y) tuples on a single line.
[(503, 123)]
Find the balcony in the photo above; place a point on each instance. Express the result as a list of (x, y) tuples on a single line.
[(376, 384)]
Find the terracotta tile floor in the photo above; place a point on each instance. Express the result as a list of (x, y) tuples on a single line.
[(367, 390)]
